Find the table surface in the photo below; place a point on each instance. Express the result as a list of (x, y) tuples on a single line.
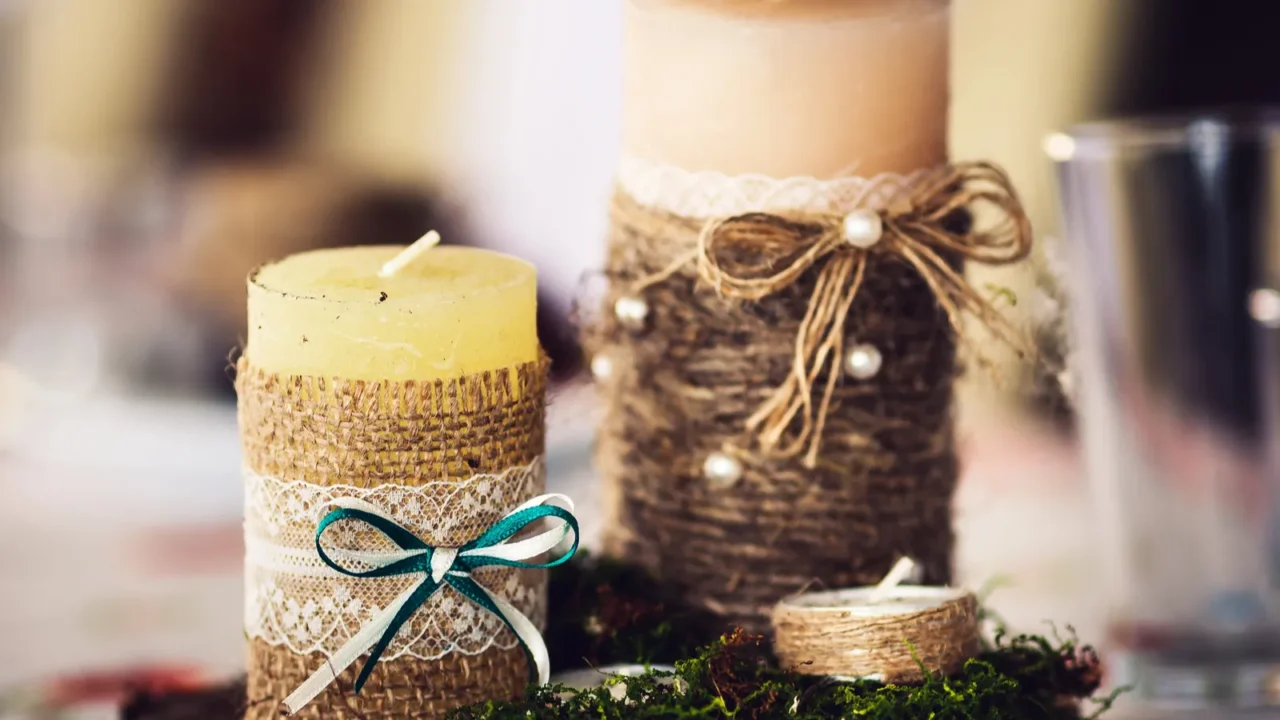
[(122, 524)]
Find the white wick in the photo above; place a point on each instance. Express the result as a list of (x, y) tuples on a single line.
[(409, 254), (896, 575)]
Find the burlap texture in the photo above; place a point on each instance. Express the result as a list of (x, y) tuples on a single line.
[(335, 431), (683, 386)]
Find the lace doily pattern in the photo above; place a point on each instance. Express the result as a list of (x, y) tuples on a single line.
[(701, 195), (293, 600)]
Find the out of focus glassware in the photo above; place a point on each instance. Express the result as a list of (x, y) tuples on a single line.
[(83, 309), (1173, 230)]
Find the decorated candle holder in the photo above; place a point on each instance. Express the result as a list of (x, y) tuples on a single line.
[(889, 633), (392, 421), (778, 354), (780, 385)]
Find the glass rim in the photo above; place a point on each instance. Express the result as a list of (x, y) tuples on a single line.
[(1107, 138)]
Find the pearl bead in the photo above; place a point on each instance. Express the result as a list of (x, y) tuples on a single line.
[(1067, 381), (631, 311), (863, 228), (1264, 306), (863, 361), (722, 470), (601, 367), (1060, 147)]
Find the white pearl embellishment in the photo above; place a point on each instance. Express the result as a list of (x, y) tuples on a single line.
[(601, 367), (863, 361), (863, 228), (1264, 306), (722, 470), (631, 311)]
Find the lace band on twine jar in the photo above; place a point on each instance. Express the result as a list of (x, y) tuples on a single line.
[(778, 358), (443, 459), (851, 634)]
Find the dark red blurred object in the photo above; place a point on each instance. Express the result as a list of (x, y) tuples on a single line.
[(115, 686), (223, 702)]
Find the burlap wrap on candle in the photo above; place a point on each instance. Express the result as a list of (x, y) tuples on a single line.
[(872, 483), (369, 434), (931, 627)]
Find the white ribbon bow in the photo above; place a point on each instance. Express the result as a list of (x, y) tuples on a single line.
[(443, 562)]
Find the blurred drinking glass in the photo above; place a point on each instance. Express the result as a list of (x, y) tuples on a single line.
[(1173, 229), (83, 311)]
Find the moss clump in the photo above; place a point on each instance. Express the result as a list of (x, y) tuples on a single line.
[(605, 612), (1023, 678)]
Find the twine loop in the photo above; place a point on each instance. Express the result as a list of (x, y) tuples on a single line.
[(956, 213)]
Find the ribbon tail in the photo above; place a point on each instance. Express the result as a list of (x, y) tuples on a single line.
[(530, 639), (419, 595), (834, 346), (817, 349), (528, 633), (379, 631)]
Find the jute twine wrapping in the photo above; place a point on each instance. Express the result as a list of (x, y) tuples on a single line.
[(365, 434), (841, 633), (740, 353)]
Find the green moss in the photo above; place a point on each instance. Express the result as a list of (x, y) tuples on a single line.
[(1001, 293), (609, 613), (1023, 678)]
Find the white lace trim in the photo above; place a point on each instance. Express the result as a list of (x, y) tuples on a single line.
[(714, 194), (292, 599)]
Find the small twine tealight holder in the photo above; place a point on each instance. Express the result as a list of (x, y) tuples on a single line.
[(885, 633)]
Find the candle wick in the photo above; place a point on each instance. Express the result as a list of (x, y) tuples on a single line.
[(900, 571), (409, 254)]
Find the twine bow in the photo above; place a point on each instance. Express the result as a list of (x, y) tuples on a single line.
[(933, 226), (439, 566)]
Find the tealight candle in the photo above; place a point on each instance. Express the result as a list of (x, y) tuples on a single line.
[(883, 633)]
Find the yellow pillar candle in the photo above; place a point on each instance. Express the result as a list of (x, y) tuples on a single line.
[(449, 312), (407, 379), (787, 88)]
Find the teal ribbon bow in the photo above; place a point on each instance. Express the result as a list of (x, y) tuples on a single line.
[(441, 566)]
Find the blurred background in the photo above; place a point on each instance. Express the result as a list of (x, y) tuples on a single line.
[(152, 152)]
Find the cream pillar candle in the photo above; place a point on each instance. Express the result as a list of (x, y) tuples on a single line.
[(744, 462), (787, 88)]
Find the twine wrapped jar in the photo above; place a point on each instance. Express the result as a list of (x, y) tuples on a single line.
[(777, 344)]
